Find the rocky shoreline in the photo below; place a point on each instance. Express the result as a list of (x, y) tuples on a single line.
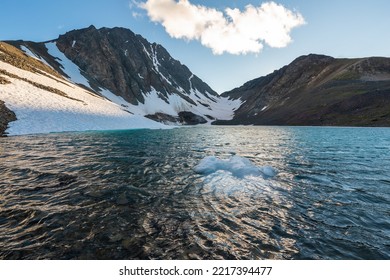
[(6, 116)]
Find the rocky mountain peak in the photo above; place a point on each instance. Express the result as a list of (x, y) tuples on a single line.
[(311, 58), (140, 77), (127, 64)]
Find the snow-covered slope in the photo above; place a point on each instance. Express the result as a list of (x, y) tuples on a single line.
[(210, 107), (134, 73), (40, 110), (96, 79)]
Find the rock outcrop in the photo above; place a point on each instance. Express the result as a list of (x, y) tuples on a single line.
[(6, 116), (127, 64)]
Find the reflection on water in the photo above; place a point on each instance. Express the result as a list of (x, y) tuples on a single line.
[(135, 195)]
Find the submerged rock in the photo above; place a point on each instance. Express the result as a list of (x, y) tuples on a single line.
[(191, 118), (122, 199)]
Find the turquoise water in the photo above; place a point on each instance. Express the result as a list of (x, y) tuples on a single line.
[(136, 195)]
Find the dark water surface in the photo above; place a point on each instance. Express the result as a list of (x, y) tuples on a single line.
[(135, 195)]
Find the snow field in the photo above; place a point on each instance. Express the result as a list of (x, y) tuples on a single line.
[(41, 111)]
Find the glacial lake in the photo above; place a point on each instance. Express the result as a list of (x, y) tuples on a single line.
[(197, 193)]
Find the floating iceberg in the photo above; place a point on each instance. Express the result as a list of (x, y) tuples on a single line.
[(236, 165)]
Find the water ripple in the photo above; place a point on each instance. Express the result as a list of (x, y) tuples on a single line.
[(135, 194)]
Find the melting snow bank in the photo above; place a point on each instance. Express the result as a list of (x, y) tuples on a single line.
[(40, 111), (236, 165)]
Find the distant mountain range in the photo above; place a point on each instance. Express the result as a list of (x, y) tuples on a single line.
[(318, 90), (111, 78)]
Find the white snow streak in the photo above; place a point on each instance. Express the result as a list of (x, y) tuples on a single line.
[(222, 109), (70, 69), (189, 80), (29, 52), (33, 55)]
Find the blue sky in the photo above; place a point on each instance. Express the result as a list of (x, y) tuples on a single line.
[(340, 28)]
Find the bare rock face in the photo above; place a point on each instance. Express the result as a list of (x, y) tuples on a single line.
[(163, 118), (127, 64), (190, 118), (184, 117), (6, 116), (274, 87), (318, 90)]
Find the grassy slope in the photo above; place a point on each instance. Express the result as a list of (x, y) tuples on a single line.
[(316, 90)]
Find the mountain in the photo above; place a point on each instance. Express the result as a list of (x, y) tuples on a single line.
[(37, 99), (111, 78), (115, 62), (318, 90), (116, 65)]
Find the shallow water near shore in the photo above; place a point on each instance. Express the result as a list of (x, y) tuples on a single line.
[(263, 193)]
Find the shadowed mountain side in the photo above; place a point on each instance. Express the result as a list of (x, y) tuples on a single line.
[(318, 90)]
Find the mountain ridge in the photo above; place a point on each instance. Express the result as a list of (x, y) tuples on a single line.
[(124, 42), (318, 90)]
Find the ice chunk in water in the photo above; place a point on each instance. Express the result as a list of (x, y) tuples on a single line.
[(238, 166)]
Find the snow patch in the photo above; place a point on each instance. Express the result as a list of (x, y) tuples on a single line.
[(73, 43), (221, 108), (33, 55), (113, 98), (217, 107), (146, 51), (189, 80), (155, 104), (238, 166), (69, 68), (29, 52), (156, 63)]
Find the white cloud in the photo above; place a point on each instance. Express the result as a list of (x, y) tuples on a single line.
[(134, 3), (134, 6), (232, 31), (136, 15)]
